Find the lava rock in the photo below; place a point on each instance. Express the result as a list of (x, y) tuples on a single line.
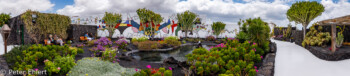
[(267, 69), (127, 58), (273, 47), (170, 60)]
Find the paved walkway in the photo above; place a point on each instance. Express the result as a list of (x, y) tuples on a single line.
[(2, 48), (294, 60)]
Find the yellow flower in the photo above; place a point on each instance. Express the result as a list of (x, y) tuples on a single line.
[(86, 74)]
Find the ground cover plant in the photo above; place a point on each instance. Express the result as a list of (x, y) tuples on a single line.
[(97, 67), (144, 44), (231, 58)]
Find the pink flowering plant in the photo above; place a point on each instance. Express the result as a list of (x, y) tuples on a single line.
[(121, 43), (231, 57), (100, 45)]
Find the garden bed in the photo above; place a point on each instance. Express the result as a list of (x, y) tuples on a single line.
[(325, 53)]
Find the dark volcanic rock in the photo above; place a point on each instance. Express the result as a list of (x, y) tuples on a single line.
[(170, 60), (126, 58), (268, 67), (273, 47), (326, 54)]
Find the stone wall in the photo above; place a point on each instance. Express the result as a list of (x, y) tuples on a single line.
[(79, 30), (18, 29), (346, 32)]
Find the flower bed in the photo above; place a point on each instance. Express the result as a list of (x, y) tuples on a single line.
[(29, 58), (144, 44), (232, 58)]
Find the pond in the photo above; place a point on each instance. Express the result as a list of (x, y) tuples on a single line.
[(158, 57)]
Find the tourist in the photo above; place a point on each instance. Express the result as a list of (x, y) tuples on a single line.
[(58, 40), (51, 39), (88, 37)]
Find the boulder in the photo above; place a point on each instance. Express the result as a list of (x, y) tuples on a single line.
[(273, 47), (170, 60), (127, 58)]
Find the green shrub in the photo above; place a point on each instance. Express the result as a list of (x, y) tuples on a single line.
[(4, 19), (230, 58), (15, 54), (242, 36), (60, 65), (287, 33), (109, 55), (33, 55), (210, 38), (256, 29), (146, 45), (218, 27), (96, 67), (140, 39), (172, 41)]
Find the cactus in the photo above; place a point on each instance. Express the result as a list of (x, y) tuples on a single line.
[(315, 38)]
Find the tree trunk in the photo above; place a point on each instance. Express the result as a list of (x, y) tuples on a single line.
[(110, 32), (304, 27), (186, 33)]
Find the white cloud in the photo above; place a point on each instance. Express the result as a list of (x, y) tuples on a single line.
[(214, 10), (16, 7)]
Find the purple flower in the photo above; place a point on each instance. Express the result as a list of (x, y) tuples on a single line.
[(116, 56), (149, 66), (118, 60), (36, 69), (113, 61), (170, 68)]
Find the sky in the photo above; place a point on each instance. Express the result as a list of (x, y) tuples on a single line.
[(227, 11)]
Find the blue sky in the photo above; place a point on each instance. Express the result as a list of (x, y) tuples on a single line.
[(59, 4)]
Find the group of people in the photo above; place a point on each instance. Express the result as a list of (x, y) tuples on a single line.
[(55, 40)]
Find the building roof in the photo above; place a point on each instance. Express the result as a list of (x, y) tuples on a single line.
[(345, 20)]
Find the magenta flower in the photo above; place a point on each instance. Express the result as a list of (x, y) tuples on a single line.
[(248, 41), (261, 57), (254, 49), (118, 60), (254, 43), (136, 69), (255, 67), (59, 68), (36, 69), (257, 70), (170, 68), (149, 66), (113, 61)]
